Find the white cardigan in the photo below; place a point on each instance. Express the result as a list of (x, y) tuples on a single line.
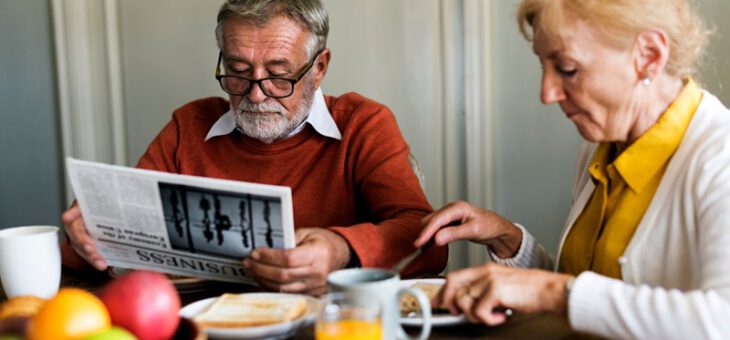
[(676, 268)]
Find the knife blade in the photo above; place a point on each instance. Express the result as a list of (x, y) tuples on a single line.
[(402, 264)]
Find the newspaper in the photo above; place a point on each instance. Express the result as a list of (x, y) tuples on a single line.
[(179, 224)]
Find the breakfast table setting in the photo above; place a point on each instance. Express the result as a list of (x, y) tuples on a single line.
[(192, 291), (42, 299)]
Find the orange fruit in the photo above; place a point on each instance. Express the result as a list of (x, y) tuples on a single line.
[(72, 314)]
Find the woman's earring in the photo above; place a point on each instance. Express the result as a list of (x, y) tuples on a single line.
[(646, 81)]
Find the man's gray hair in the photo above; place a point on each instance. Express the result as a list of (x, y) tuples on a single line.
[(310, 13)]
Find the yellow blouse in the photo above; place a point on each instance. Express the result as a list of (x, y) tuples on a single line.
[(624, 189)]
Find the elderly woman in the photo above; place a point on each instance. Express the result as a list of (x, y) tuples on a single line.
[(645, 252)]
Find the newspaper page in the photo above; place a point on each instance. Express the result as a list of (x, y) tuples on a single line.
[(179, 224)]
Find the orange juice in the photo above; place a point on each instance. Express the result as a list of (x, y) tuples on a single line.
[(349, 330)]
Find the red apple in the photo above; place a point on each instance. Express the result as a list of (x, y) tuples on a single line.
[(144, 303)]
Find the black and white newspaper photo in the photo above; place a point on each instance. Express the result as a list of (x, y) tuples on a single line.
[(179, 224), (218, 223)]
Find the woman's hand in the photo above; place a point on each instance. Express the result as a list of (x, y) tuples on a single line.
[(462, 221), (483, 293)]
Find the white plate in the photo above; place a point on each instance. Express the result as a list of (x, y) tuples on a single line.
[(279, 329), (436, 320)]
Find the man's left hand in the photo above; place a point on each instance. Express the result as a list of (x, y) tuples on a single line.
[(304, 268)]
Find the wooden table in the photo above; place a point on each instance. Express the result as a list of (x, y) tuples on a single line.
[(518, 327)]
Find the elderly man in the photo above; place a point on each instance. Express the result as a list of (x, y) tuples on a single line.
[(356, 200)]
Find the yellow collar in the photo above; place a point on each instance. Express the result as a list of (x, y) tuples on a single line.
[(644, 158)]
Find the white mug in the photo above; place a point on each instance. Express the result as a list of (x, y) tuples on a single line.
[(383, 286), (30, 261)]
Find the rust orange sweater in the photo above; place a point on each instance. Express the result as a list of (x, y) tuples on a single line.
[(361, 187)]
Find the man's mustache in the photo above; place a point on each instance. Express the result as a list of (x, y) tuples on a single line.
[(245, 107)]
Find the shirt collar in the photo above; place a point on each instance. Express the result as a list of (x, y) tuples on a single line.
[(649, 154), (319, 117)]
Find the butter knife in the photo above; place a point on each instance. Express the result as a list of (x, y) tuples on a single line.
[(402, 264)]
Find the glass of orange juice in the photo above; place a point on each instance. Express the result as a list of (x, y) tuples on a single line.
[(348, 317)]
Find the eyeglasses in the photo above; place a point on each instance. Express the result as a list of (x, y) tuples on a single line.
[(274, 87)]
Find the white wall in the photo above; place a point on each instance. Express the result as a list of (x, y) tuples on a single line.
[(168, 59), (31, 180), (535, 144), (715, 75)]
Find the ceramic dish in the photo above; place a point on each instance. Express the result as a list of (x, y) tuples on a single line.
[(438, 319), (274, 330)]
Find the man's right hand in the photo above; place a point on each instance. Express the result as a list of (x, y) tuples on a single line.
[(462, 221), (80, 239), (302, 269)]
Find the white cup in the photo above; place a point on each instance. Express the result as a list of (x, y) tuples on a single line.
[(30, 261), (383, 286)]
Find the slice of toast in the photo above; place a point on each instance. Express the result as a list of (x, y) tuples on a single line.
[(247, 310)]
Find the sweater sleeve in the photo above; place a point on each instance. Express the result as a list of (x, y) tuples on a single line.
[(530, 255), (617, 309), (391, 195)]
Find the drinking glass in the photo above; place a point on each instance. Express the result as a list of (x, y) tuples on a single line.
[(383, 286), (348, 317)]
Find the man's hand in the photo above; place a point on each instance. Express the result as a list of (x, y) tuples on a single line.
[(482, 293), (80, 239), (303, 269), (462, 221)]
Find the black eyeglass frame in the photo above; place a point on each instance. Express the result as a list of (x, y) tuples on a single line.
[(252, 82)]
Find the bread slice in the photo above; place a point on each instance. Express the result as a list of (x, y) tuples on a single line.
[(247, 310)]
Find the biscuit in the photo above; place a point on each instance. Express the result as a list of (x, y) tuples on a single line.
[(409, 303), (21, 306)]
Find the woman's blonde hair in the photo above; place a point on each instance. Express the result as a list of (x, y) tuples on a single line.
[(620, 21)]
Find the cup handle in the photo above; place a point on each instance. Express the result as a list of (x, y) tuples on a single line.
[(425, 304)]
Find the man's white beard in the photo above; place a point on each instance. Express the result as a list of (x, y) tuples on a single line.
[(270, 127)]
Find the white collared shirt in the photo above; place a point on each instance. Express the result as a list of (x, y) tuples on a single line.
[(319, 118)]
